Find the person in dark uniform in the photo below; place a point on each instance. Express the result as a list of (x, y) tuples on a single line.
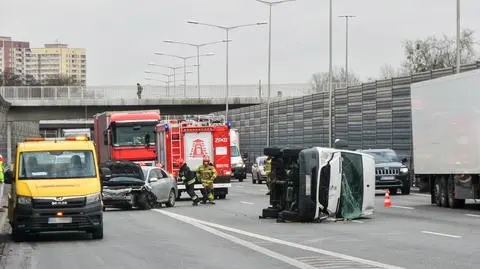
[(188, 178)]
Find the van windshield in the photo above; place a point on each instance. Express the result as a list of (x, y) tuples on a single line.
[(57, 165), (234, 151)]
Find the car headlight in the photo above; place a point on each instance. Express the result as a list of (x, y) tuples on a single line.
[(93, 198), (24, 200), (403, 170)]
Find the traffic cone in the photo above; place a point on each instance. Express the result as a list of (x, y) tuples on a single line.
[(387, 202)]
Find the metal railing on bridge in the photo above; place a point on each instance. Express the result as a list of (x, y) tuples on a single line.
[(12, 93)]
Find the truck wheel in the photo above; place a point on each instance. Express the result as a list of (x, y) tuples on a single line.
[(179, 195), (171, 199), (240, 179), (393, 191), (443, 192), (454, 203), (98, 233), (222, 196)]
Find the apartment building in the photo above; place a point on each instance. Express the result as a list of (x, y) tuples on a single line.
[(58, 59), (13, 57)]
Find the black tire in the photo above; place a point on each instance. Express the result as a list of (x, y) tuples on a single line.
[(222, 196), (406, 189), (291, 152), (18, 236), (179, 195), (98, 233), (452, 202), (240, 179), (171, 199), (127, 207), (142, 202), (274, 152), (438, 191), (443, 192)]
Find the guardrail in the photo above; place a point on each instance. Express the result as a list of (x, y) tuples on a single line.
[(11, 93)]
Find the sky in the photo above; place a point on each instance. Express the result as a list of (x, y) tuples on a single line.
[(121, 36)]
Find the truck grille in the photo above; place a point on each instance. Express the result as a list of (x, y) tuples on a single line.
[(78, 222), (387, 172), (67, 202)]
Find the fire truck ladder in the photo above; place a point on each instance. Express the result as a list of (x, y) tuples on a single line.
[(175, 145)]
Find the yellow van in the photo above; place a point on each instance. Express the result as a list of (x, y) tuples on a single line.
[(55, 187)]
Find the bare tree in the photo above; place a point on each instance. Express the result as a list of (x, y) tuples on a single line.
[(319, 81), (436, 53)]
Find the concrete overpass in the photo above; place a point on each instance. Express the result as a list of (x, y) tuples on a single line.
[(50, 103)]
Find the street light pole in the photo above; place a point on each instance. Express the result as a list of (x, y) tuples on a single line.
[(458, 36), (226, 29), (174, 70), (330, 80), (184, 65), (346, 47), (270, 4), (198, 46)]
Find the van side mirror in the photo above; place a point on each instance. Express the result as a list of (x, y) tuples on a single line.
[(106, 137)]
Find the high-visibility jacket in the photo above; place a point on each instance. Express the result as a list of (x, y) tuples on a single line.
[(1, 172), (207, 174), (268, 167)]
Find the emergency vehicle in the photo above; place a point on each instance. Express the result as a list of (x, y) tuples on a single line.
[(127, 135), (191, 140)]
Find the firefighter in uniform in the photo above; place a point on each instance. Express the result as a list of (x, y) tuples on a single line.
[(188, 178), (268, 172), (206, 173)]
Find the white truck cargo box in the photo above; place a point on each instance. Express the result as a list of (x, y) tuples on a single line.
[(446, 124)]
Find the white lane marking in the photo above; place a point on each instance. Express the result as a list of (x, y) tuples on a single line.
[(420, 194), (357, 221), (247, 203), (473, 215), (402, 207), (236, 186), (441, 234), (242, 242), (279, 241)]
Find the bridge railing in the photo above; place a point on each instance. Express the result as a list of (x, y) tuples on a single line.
[(150, 91)]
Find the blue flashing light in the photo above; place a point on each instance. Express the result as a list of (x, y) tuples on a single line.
[(229, 124), (166, 127)]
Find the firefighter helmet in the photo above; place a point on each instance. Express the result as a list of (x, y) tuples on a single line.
[(206, 159)]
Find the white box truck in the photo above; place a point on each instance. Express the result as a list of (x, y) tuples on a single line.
[(238, 165), (446, 137)]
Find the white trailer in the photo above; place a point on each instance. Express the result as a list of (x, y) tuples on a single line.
[(446, 137)]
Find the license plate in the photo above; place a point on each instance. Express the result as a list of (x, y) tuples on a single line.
[(388, 178), (59, 220)]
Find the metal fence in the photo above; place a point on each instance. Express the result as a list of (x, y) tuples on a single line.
[(371, 115), (150, 91)]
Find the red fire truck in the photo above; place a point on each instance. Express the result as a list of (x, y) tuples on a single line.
[(127, 135), (192, 140)]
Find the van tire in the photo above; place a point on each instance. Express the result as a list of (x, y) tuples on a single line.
[(98, 233), (17, 236)]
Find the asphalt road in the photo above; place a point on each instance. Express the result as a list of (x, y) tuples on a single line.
[(411, 234)]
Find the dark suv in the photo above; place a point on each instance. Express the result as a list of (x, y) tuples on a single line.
[(391, 172)]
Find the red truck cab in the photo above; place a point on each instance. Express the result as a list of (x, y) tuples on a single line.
[(127, 135)]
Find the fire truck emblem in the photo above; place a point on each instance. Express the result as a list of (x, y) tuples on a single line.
[(198, 149)]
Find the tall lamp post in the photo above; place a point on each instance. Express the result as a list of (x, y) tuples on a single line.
[(347, 17), (330, 124), (270, 4), (174, 71), (184, 66), (227, 30), (458, 36), (197, 46)]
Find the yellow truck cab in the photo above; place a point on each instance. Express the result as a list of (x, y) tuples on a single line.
[(55, 187)]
